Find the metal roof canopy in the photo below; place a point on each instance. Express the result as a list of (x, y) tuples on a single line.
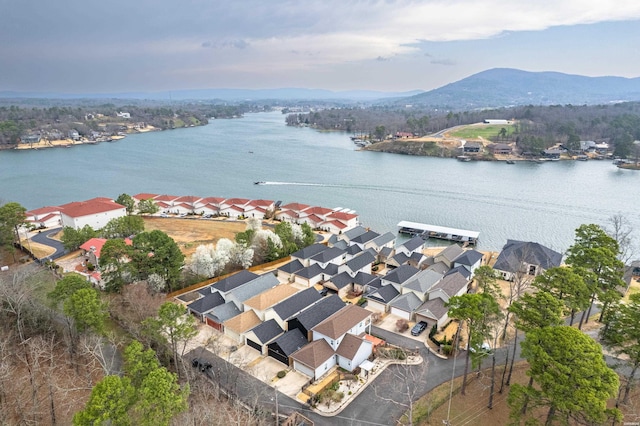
[(438, 229)]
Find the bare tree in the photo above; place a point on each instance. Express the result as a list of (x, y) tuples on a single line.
[(620, 230)]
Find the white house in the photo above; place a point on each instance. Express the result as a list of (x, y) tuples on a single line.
[(96, 213), (44, 217), (350, 319)]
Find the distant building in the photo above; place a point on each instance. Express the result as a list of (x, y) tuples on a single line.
[(123, 114), (496, 121), (96, 213)]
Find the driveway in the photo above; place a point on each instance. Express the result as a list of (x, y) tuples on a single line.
[(44, 238)]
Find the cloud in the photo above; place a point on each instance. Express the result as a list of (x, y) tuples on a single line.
[(222, 44), (447, 62)]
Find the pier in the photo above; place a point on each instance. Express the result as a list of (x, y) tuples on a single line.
[(427, 231)]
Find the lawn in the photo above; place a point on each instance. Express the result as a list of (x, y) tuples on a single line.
[(485, 131)]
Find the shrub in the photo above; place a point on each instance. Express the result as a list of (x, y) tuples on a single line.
[(281, 374), (447, 349), (374, 268), (402, 325), (362, 301)]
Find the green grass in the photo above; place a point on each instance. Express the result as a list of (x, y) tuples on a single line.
[(489, 131)]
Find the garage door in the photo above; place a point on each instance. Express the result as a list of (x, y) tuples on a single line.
[(400, 313), (255, 345), (372, 304), (280, 357), (214, 324)]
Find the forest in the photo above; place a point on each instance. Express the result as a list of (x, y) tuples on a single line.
[(538, 127)]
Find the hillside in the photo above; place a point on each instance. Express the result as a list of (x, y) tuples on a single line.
[(504, 87)]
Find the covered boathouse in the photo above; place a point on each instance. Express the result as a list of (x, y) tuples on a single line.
[(439, 232)]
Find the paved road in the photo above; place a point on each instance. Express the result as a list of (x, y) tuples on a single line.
[(43, 238)]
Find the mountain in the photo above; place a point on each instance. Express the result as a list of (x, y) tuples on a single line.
[(504, 87), (226, 95)]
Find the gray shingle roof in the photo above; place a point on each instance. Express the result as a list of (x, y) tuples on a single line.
[(433, 308), (439, 267), (461, 270), (296, 303), (383, 239), (451, 284), (401, 274), (224, 312), (361, 261), (234, 281), (414, 243), (354, 249), (362, 278), (309, 251), (386, 251), (254, 287), (291, 267), (206, 303), (469, 257), (451, 252), (310, 271), (515, 252), (400, 258), (320, 311), (290, 341), (343, 245), (354, 232), (267, 331), (384, 294), (328, 255), (330, 270), (423, 281), (407, 302), (365, 238), (341, 280)]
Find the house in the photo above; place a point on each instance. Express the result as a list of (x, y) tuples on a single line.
[(314, 359), (399, 276), (44, 217), (205, 304), (353, 351), (364, 241), (290, 307), (526, 258), (471, 147), (404, 135), (188, 201), (304, 255), (263, 301), (287, 216), (96, 212), (434, 310), (448, 255), (252, 288), (330, 255), (450, 286), (286, 273), (362, 280), (405, 305), (286, 345), (415, 244), (461, 270), (320, 213), (470, 260), (333, 226), (352, 233), (341, 284), (350, 220), (351, 319), (379, 299), (143, 196), (166, 200), (310, 275), (295, 207), (261, 335), (236, 327), (397, 261), (315, 314), (232, 211), (351, 251), (439, 267), (421, 283), (360, 263), (74, 135), (500, 149), (385, 240), (217, 316), (231, 282), (92, 248)]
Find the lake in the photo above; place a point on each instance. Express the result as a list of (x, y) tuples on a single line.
[(526, 201)]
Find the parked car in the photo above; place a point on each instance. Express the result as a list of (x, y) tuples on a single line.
[(204, 366), (418, 328)]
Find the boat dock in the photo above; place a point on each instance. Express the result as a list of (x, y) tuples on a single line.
[(439, 232)]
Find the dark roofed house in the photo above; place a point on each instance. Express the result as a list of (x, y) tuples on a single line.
[(330, 255), (350, 319), (379, 299), (417, 260), (293, 305), (399, 276), (470, 259), (385, 240), (361, 280), (263, 334), (287, 271), (284, 346), (314, 359), (399, 259), (500, 148), (461, 270), (218, 315), (340, 283), (352, 233), (360, 263), (433, 312), (304, 255), (411, 246), (252, 288), (405, 305), (451, 285), (315, 314), (449, 254), (310, 275), (362, 239), (205, 304), (421, 283), (225, 285), (525, 257)]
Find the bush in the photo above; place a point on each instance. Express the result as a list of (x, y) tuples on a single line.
[(362, 301), (447, 349), (374, 269), (281, 374), (402, 325)]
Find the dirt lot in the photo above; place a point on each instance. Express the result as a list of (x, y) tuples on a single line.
[(190, 233), (472, 408)]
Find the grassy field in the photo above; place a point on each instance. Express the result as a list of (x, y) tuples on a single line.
[(477, 131), (190, 233)]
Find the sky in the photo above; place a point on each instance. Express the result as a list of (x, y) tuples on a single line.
[(80, 46)]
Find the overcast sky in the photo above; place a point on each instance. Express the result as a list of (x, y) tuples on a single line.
[(85, 46)]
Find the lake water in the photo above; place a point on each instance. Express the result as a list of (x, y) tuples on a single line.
[(528, 201)]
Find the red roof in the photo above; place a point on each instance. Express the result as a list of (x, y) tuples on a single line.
[(47, 217), (89, 207), (237, 201), (319, 211), (188, 199), (261, 203), (342, 216), (162, 204), (336, 223), (144, 196), (166, 197), (295, 207), (290, 213), (212, 200), (314, 218), (43, 210), (98, 243)]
